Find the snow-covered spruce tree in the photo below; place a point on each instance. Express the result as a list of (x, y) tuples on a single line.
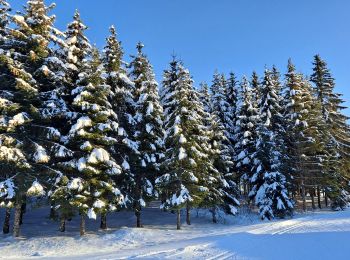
[(245, 135), (186, 162), (6, 184), (32, 68), (223, 191), (269, 185), (255, 84), (5, 9), (222, 107), (88, 182), (232, 98), (73, 54), (75, 51), (338, 133), (149, 130), (232, 88), (126, 149), (218, 99), (304, 135), (205, 98)]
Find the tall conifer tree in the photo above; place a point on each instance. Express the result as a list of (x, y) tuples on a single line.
[(149, 130), (123, 103), (338, 132), (39, 73), (245, 134), (269, 185), (186, 143)]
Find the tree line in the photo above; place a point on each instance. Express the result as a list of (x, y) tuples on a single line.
[(93, 134)]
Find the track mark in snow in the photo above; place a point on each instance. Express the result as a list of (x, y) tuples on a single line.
[(155, 253), (288, 229), (280, 227), (222, 256), (199, 248)]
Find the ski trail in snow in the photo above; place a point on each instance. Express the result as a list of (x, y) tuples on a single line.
[(277, 228), (223, 256), (198, 241)]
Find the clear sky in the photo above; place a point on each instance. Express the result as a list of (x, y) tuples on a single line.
[(237, 35)]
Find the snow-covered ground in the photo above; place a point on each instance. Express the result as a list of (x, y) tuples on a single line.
[(319, 235)]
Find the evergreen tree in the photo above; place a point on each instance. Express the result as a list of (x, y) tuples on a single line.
[(5, 8), (269, 185), (224, 191), (338, 132), (304, 127), (232, 89), (245, 134), (89, 184), (255, 84), (33, 76), (220, 103), (122, 99), (13, 160), (74, 53), (204, 97), (186, 143), (149, 130)]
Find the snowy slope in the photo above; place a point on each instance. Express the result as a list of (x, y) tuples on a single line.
[(321, 235)]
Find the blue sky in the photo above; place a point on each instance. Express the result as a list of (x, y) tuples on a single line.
[(227, 35)]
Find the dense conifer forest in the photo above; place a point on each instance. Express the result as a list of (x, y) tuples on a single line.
[(87, 133)]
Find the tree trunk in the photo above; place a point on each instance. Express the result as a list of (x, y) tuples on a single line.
[(326, 199), (188, 214), (138, 217), (23, 210), (213, 213), (319, 197), (52, 211), (62, 224), (17, 220), (6, 227), (82, 224), (103, 224), (313, 199), (178, 220), (303, 195)]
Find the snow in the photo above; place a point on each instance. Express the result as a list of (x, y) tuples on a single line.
[(36, 190), (40, 156), (142, 203), (125, 165), (121, 131), (7, 189), (99, 204), (241, 155), (149, 109), (18, 119), (182, 153), (91, 214), (314, 236), (182, 139), (81, 122), (149, 128), (125, 78), (11, 154), (86, 145), (180, 199), (53, 133), (98, 155), (20, 20), (75, 184)]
